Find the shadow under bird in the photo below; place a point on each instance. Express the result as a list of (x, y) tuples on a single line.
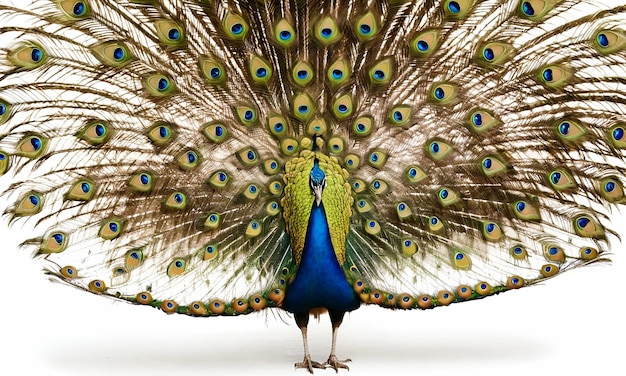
[(225, 157)]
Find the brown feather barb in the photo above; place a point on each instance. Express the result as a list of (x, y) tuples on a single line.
[(172, 153)]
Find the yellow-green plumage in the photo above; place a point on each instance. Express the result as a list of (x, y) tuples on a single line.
[(225, 157), (297, 201)]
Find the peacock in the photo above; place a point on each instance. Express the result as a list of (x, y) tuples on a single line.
[(219, 158)]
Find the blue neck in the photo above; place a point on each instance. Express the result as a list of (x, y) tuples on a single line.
[(320, 280)]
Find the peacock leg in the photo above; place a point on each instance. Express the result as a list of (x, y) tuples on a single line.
[(336, 317), (302, 320)]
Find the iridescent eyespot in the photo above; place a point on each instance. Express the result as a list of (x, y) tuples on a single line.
[(343, 106), (31, 146), (160, 133), (438, 149), (493, 54), (326, 31), (188, 160), (248, 156), (170, 34), (425, 43), (219, 179), (535, 9), (554, 76), (260, 70), (110, 229), (303, 106), (284, 33), (176, 267), (377, 158), (400, 115), (212, 70), (215, 132), (74, 10), (366, 27), (457, 9), (302, 73), (28, 55), (444, 94), (235, 26), (338, 72), (381, 72), (609, 41), (159, 85), (363, 126), (82, 190), (247, 115)]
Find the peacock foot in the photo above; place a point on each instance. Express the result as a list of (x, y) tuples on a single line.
[(309, 364), (335, 363)]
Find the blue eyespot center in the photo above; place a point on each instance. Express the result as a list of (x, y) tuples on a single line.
[(342, 108), (113, 227), (221, 176), (487, 163), (163, 84), (302, 74), (85, 187), (36, 55), (261, 72), (434, 221), (490, 227), (518, 250), (603, 40), (528, 9), (376, 184), (440, 93), (397, 116), (360, 127), (216, 72), (555, 177), (422, 45), (178, 198), (553, 251), (618, 133), (520, 206), (454, 7), (434, 147), (478, 120), (547, 75), (236, 28), (609, 187), (583, 222), (337, 74), (285, 35), (79, 8), (374, 157), (118, 54), (100, 130), (443, 194), (35, 142), (412, 172), (564, 128), (379, 74), (163, 132), (33, 200), (191, 157), (326, 32), (365, 29), (248, 115), (173, 34), (460, 256), (219, 131), (488, 54), (303, 109)]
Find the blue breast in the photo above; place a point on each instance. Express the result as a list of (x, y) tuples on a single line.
[(320, 280)]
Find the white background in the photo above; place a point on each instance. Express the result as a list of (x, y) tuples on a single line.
[(573, 324)]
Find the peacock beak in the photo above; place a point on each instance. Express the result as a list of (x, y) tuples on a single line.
[(317, 192)]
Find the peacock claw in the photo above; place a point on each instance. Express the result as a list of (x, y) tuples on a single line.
[(309, 364), (335, 363)]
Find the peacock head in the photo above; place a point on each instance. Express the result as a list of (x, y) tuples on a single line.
[(317, 181)]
